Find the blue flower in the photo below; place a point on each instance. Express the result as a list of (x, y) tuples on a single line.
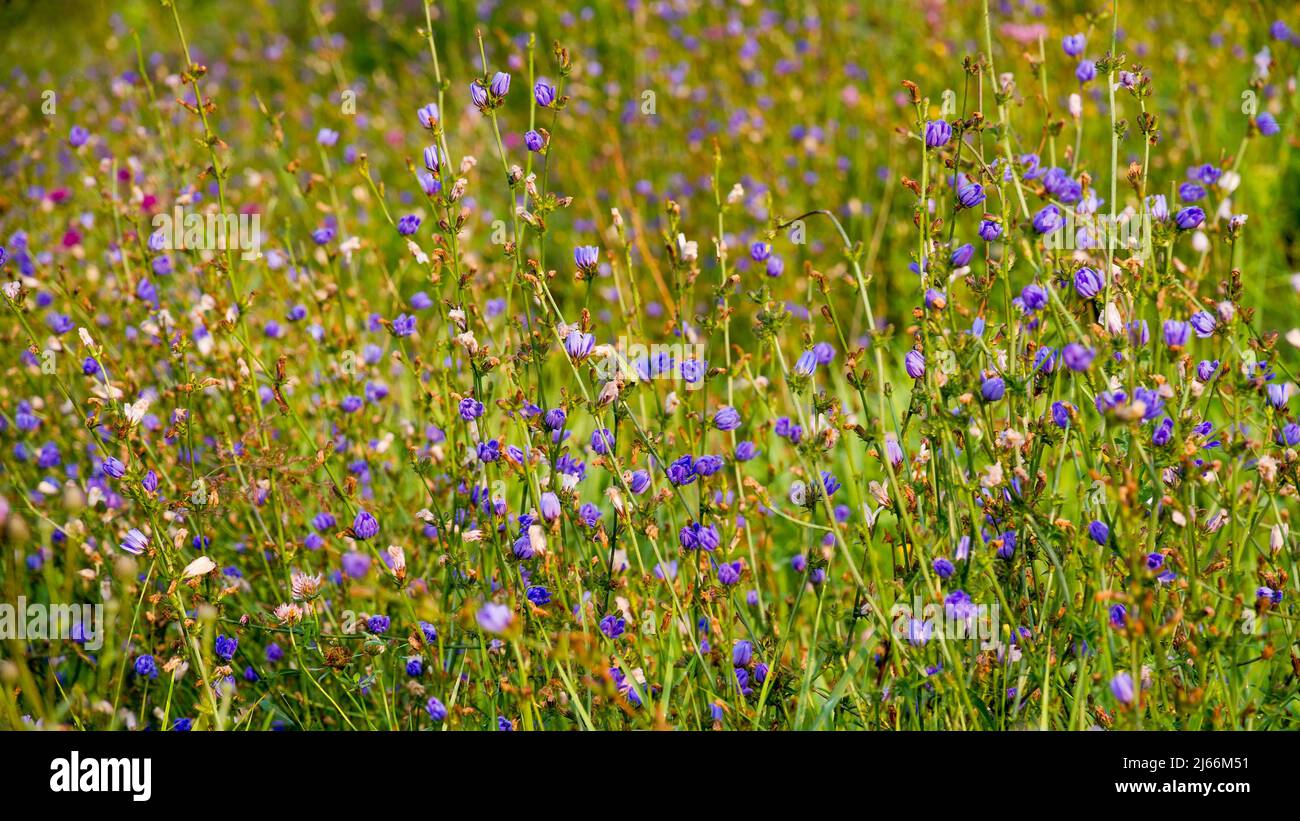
[(612, 626), (225, 647), (145, 667), (364, 526)]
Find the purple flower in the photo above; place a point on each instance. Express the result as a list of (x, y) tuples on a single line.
[(586, 257), (612, 626), (1045, 359), (544, 93), (1177, 334), (1189, 218), (550, 506), (937, 133), (708, 465), (682, 470), (806, 364), (470, 408), (1118, 616), (428, 115), (640, 482), (1061, 414), (1048, 220), (135, 542), (729, 572), (1086, 71), (114, 467), (478, 95), (145, 667), (534, 141), (1077, 357), (914, 363), (970, 195), (990, 230), (1267, 124), (962, 255), (1007, 548), (1034, 297), (1163, 432), (1099, 532), (494, 618), (404, 325), (500, 84), (1277, 396), (1158, 206), (1121, 686), (727, 418), (1088, 282), (993, 388), (408, 225), (1073, 44), (437, 711), (918, 632), (696, 536), (489, 451), (365, 526), (432, 160), (1190, 192), (225, 647), (1203, 322), (1206, 368), (578, 345), (944, 568)]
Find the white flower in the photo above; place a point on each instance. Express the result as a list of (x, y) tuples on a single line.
[(1076, 106), (304, 586), (289, 614), (350, 246), (417, 252), (398, 556), (608, 393), (798, 493), (992, 476), (136, 410), (537, 539), (199, 567), (690, 251), (1277, 536)]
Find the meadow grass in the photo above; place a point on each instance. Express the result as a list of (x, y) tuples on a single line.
[(676, 365)]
